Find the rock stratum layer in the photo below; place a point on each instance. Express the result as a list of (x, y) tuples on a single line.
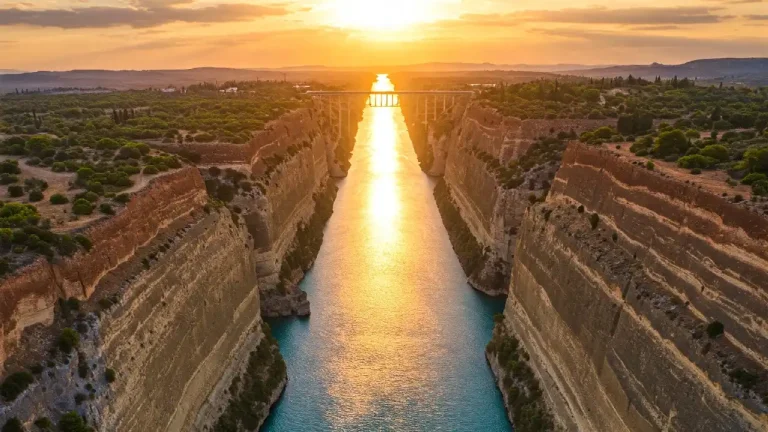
[(620, 282), (468, 145), (167, 303), (620, 325)]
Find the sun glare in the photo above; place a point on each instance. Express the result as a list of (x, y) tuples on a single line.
[(381, 15)]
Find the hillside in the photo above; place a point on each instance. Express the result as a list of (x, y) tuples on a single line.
[(753, 71)]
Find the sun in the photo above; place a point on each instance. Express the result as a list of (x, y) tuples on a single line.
[(380, 15)]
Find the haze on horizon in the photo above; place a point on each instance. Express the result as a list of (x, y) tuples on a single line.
[(177, 34)]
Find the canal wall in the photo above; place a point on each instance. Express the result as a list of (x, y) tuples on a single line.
[(145, 304), (619, 279), (471, 146), (636, 297)]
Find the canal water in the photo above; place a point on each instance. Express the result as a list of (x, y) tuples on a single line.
[(396, 338)]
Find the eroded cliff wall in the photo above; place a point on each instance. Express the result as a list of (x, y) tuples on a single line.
[(493, 167), (621, 282)]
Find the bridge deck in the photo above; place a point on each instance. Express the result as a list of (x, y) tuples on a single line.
[(396, 92)]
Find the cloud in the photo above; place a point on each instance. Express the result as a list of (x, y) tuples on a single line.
[(102, 17), (656, 28), (601, 15), (757, 17)]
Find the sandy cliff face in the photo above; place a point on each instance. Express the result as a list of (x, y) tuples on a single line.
[(29, 296), (468, 146), (617, 280)]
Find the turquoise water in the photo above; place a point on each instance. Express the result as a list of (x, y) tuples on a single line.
[(396, 338)]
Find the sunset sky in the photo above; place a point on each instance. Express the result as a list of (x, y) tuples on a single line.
[(172, 34)]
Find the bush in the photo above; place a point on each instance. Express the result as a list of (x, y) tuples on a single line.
[(72, 422), (44, 423), (58, 199), (13, 425), (581, 209), (110, 375), (760, 188), (716, 151), (106, 209), (69, 339), (6, 179), (594, 219), (15, 384), (15, 191), (123, 198), (82, 207), (696, 161), (650, 165), (150, 170), (715, 329), (84, 241), (36, 196), (752, 178), (671, 142)]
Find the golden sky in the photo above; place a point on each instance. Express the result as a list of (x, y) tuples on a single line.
[(173, 34)]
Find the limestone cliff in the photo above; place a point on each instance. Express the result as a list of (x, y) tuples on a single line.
[(641, 300), (493, 167), (291, 165)]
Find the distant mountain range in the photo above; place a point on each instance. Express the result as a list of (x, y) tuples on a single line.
[(9, 71), (749, 71), (744, 70)]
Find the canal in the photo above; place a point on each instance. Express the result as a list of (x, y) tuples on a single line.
[(396, 338)]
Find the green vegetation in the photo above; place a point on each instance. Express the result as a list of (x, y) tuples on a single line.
[(110, 375), (15, 384), (44, 423), (524, 396), (13, 425), (715, 329), (468, 250), (309, 237), (252, 391), (201, 114), (72, 422), (68, 340), (21, 230)]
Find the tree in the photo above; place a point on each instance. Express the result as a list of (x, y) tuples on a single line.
[(671, 142), (716, 151)]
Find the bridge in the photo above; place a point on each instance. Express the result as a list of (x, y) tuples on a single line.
[(429, 103)]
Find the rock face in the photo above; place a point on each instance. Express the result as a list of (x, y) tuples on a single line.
[(29, 296), (621, 281), (468, 145), (169, 320)]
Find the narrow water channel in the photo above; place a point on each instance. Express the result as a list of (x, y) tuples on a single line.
[(396, 339)]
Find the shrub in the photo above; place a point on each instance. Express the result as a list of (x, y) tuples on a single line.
[(15, 191), (650, 165), (214, 171), (696, 171), (150, 170), (751, 178), (696, 161), (760, 187), (594, 219), (110, 375), (35, 161), (715, 329), (82, 207), (84, 241), (581, 209), (6, 179), (106, 209), (738, 198), (716, 151), (13, 425), (15, 384), (68, 339), (58, 199), (35, 196), (44, 423), (72, 422), (671, 142), (123, 198)]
